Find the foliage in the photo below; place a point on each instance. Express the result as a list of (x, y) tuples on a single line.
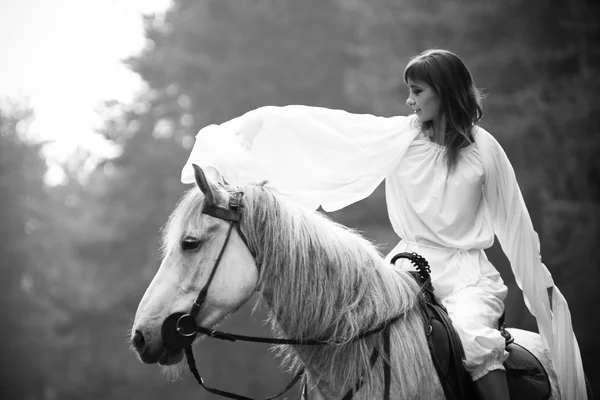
[(30, 263)]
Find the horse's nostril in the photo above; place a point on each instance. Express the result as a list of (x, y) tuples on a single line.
[(138, 341)]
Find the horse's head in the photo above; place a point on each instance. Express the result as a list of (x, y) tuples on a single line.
[(192, 243)]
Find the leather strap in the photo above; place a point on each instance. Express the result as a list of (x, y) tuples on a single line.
[(204, 291), (372, 361), (192, 365), (386, 367), (222, 213), (231, 337)]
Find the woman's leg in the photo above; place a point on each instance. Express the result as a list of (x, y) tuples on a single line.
[(475, 310), (493, 386)]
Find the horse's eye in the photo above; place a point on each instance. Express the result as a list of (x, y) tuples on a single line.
[(190, 243)]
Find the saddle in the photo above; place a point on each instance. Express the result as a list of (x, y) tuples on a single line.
[(527, 378)]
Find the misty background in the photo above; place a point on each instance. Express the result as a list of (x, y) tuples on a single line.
[(77, 255)]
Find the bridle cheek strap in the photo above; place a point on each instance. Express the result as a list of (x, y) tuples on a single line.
[(234, 217), (204, 291)]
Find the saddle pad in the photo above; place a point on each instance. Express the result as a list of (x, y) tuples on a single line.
[(527, 378)]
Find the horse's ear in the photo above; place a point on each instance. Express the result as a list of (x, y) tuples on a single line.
[(213, 175), (204, 185)]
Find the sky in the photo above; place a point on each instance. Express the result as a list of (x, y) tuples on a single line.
[(63, 58)]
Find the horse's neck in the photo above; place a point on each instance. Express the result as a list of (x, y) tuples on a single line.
[(357, 280), (412, 371)]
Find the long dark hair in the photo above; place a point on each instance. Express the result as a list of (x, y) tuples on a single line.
[(460, 100)]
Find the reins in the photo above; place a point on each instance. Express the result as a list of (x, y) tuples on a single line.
[(232, 337), (179, 330)]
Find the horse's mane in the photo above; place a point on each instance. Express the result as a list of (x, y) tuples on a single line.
[(322, 280)]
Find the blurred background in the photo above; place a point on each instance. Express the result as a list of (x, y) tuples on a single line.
[(80, 218)]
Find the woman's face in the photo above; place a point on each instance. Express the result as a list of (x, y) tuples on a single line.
[(424, 101)]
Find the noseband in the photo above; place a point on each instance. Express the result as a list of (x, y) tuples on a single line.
[(179, 330)]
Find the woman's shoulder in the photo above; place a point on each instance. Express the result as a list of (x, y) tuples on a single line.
[(485, 140), (479, 131), (493, 157)]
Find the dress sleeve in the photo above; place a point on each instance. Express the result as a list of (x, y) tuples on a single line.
[(519, 241), (314, 156), (513, 226)]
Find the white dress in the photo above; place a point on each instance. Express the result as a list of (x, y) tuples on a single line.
[(442, 217), (317, 156)]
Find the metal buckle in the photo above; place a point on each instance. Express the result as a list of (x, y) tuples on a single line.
[(235, 200), (186, 325)]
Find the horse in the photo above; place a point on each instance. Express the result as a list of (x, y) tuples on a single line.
[(319, 280)]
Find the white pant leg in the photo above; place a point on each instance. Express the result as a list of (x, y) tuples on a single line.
[(473, 292), (475, 311)]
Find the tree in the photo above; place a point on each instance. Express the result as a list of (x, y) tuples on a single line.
[(28, 318)]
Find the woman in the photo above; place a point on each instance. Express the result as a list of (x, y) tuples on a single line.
[(449, 189)]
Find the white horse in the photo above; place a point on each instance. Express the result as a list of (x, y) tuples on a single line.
[(319, 279)]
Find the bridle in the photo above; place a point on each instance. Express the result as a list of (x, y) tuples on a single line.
[(179, 330)]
